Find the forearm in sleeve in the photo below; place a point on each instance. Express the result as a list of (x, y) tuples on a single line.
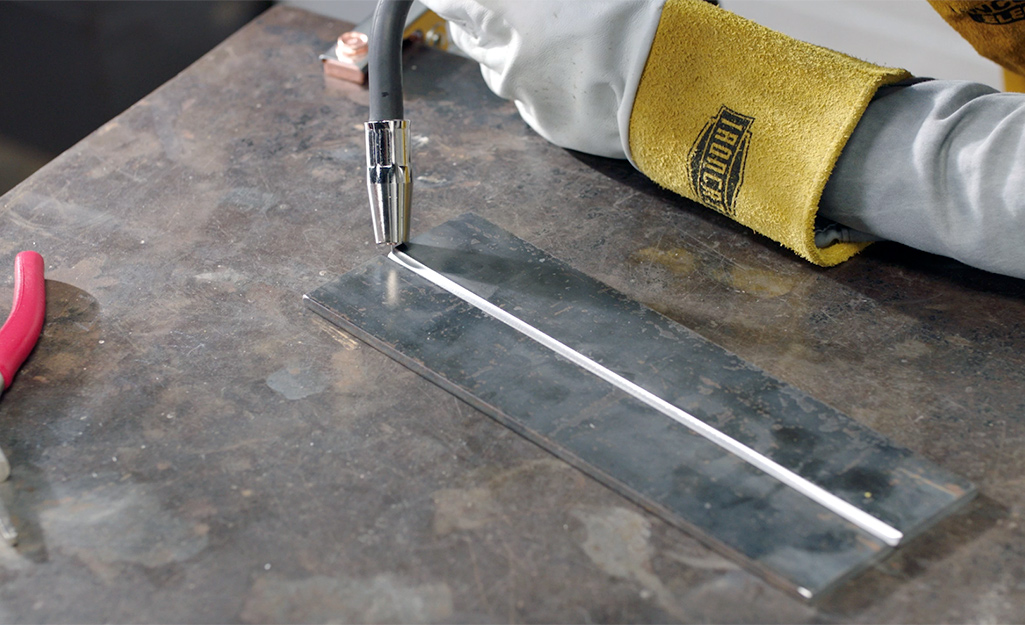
[(939, 166)]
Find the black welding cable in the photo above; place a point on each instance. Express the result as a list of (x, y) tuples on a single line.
[(384, 61)]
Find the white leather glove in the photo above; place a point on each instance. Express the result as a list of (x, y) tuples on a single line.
[(571, 67), (939, 166)]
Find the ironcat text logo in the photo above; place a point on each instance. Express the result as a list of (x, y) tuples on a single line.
[(718, 157), (998, 12)]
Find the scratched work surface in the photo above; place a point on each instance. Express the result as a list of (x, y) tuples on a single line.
[(190, 445)]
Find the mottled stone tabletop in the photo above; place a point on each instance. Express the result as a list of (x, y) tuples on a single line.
[(189, 444)]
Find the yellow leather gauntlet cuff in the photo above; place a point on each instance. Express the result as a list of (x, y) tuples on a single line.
[(995, 29), (748, 121)]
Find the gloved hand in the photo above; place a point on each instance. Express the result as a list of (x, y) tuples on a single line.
[(750, 123), (742, 119)]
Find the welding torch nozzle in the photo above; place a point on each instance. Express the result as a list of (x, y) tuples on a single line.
[(389, 179)]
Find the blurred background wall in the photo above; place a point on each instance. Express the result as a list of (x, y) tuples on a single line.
[(66, 68)]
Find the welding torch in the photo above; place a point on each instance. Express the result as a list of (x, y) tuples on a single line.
[(389, 172)]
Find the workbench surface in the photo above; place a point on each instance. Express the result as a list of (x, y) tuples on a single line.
[(190, 445)]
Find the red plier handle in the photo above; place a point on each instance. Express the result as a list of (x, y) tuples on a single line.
[(21, 330)]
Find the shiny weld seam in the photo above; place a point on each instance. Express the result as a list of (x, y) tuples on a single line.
[(870, 524)]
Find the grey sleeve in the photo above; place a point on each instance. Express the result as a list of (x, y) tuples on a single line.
[(938, 166)]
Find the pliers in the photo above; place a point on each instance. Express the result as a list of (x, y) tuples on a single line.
[(21, 330), (17, 338)]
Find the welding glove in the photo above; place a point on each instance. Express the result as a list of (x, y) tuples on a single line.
[(996, 29), (735, 116), (751, 123)]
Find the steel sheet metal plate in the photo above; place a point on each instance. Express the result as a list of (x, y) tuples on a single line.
[(627, 444)]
